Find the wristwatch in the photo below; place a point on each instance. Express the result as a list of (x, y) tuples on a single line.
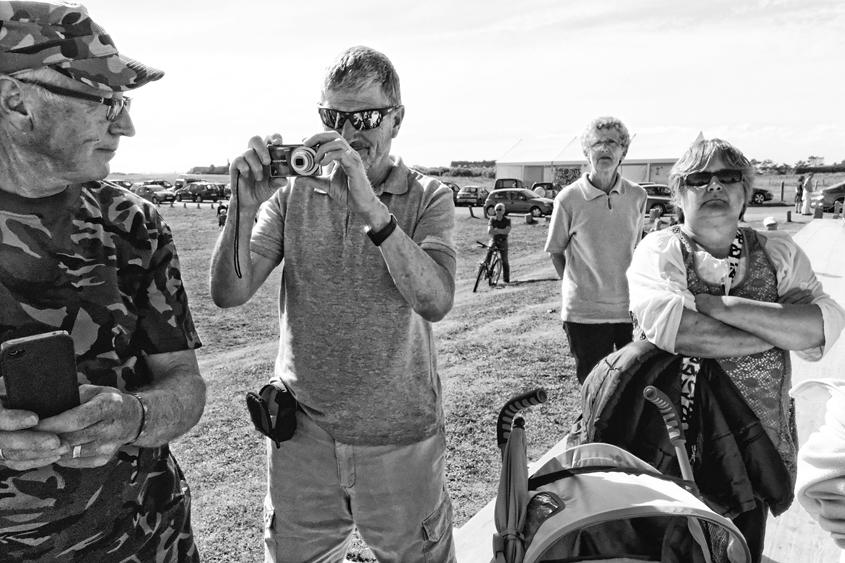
[(379, 237)]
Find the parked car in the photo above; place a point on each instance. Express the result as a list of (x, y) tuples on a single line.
[(180, 183), (546, 189), (155, 193), (518, 201), (760, 196), (471, 195), (828, 196), (455, 189), (504, 183), (122, 183), (162, 183), (199, 192), (227, 191), (658, 198)]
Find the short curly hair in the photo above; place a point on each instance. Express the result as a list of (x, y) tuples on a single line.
[(606, 122), (699, 156)]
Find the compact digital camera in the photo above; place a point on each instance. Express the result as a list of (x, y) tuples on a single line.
[(293, 160)]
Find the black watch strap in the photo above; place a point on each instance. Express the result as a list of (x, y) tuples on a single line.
[(380, 236)]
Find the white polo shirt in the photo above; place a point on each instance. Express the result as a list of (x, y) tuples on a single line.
[(596, 232)]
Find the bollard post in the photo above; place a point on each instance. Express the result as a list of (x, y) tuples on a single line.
[(819, 211), (837, 209), (789, 216), (782, 183), (529, 219)]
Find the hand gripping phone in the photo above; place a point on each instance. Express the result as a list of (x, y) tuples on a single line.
[(40, 373)]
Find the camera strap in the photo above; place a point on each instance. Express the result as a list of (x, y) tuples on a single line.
[(237, 222), (273, 412)]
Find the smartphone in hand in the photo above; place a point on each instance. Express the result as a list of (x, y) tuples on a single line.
[(40, 373)]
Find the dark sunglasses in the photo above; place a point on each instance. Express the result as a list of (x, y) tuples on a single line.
[(362, 120), (702, 179), (115, 105)]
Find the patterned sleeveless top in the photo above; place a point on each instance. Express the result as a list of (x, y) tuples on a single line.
[(763, 379)]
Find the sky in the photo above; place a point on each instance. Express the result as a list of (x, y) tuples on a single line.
[(478, 76)]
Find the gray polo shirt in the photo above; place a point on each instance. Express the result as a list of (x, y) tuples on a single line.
[(353, 351), (596, 232)]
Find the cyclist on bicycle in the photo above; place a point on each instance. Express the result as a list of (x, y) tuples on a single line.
[(498, 227)]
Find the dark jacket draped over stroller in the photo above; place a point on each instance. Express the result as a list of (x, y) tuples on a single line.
[(733, 460)]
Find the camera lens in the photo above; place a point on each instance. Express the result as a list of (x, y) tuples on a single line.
[(303, 160)]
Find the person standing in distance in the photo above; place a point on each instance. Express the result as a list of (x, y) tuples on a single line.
[(596, 223), (368, 264), (498, 227)]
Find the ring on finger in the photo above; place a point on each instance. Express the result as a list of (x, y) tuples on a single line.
[(77, 451)]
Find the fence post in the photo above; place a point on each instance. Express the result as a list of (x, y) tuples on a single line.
[(781, 189)]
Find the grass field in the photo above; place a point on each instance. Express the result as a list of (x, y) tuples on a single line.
[(492, 345)]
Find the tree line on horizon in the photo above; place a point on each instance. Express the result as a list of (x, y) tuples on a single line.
[(487, 168)]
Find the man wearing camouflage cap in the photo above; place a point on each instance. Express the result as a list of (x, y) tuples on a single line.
[(96, 482)]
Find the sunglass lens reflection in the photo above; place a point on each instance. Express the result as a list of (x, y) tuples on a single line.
[(329, 117)]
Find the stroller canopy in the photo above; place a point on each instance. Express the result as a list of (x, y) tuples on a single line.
[(598, 502)]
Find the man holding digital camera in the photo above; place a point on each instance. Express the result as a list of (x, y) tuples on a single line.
[(369, 263), (97, 481)]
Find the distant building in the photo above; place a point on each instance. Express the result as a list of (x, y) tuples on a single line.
[(560, 159), (815, 161)]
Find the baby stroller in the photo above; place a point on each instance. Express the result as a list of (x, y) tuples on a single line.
[(598, 502)]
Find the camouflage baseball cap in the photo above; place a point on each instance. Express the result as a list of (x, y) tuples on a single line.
[(62, 36)]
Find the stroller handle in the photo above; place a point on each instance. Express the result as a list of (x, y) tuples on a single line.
[(513, 406), (673, 427)]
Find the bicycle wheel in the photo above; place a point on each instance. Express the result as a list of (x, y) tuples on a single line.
[(482, 270), (495, 271)]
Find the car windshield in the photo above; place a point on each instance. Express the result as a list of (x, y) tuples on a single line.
[(656, 189)]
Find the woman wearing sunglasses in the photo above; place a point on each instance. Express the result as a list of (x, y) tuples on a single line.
[(707, 288)]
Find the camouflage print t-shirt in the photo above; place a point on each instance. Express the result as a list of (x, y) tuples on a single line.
[(100, 263)]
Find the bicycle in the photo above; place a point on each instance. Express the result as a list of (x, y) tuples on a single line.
[(490, 269)]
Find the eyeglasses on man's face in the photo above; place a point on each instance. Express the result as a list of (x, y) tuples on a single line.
[(115, 105), (362, 119), (611, 144), (703, 179)]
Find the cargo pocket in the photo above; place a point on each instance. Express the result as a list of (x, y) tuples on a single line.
[(437, 532), (269, 529)]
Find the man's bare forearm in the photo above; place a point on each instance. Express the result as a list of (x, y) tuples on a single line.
[(174, 402), (226, 288), (426, 280), (559, 262)]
